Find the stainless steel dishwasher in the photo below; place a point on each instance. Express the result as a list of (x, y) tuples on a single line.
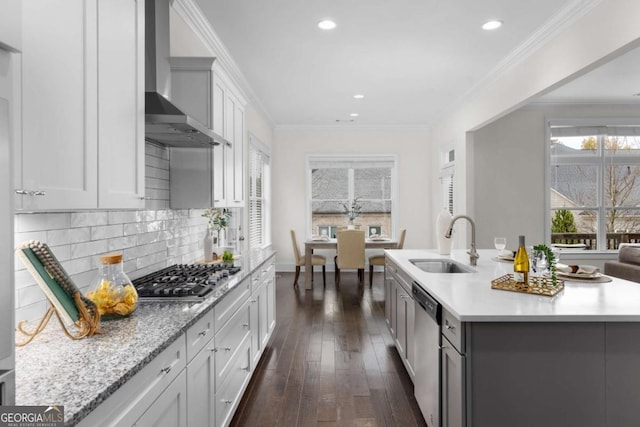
[(426, 384)]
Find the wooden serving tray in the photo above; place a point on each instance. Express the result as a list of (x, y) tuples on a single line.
[(536, 286)]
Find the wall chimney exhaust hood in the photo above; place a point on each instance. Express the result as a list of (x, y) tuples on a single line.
[(165, 123)]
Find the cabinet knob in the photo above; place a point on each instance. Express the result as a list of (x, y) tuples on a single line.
[(226, 401), (23, 192), (214, 350), (166, 370), (37, 193), (450, 327), (246, 369), (245, 325), (203, 333), (227, 349)]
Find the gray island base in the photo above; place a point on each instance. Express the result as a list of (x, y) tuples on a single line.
[(510, 359)]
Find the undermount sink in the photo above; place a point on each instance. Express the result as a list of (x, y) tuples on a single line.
[(447, 266)]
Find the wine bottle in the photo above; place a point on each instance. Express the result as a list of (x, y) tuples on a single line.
[(521, 263), (207, 245)]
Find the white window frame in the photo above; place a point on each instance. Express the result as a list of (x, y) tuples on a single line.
[(256, 145), (356, 158), (600, 208)]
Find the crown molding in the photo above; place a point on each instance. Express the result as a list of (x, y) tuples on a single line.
[(198, 22), (558, 23), (352, 128)]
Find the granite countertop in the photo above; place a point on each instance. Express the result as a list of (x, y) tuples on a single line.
[(79, 374), (469, 296)]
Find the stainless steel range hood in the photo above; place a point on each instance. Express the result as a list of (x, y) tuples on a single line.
[(165, 123)]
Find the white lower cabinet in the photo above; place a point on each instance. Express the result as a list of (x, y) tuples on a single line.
[(170, 409), (201, 388), (199, 379), (237, 376), (154, 383)]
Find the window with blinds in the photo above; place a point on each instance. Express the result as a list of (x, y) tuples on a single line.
[(337, 183), (259, 177), (594, 185)]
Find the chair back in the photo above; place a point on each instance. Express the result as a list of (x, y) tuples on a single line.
[(296, 252), (403, 233), (350, 249)]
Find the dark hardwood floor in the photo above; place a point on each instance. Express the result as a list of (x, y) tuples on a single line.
[(330, 361)]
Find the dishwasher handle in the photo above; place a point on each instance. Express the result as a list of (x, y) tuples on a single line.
[(427, 302)]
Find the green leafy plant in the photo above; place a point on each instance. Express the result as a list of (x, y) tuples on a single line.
[(218, 218), (227, 256), (551, 261), (563, 222)]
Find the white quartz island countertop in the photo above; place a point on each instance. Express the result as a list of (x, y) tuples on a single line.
[(469, 297)]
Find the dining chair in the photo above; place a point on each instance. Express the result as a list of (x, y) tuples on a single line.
[(301, 259), (379, 259), (350, 253)]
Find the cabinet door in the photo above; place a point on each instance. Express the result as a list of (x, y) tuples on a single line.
[(390, 304), (271, 303), (236, 177), (220, 153), (217, 104), (121, 98), (452, 389), (201, 388), (170, 409), (254, 321), (410, 341), (60, 99), (401, 320)]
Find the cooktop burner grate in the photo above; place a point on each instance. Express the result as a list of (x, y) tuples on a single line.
[(182, 282)]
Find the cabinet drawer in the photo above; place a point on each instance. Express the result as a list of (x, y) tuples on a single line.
[(452, 329), (199, 334), (229, 394), (230, 303), (227, 342)]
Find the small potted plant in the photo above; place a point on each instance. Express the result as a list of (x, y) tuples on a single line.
[(227, 259), (352, 211), (218, 222)]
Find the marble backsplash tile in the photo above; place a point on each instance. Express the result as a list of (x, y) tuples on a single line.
[(148, 244)]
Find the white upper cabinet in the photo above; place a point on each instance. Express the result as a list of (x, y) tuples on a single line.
[(121, 104), (235, 160), (82, 98), (200, 88)]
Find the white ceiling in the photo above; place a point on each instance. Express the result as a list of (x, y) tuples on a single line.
[(412, 59), (617, 81)]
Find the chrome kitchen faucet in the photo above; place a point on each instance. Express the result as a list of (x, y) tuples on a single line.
[(473, 254)]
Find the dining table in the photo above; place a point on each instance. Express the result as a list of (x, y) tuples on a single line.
[(311, 244)]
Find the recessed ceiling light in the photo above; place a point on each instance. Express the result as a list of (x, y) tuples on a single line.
[(358, 96), (491, 25), (354, 114), (326, 24)]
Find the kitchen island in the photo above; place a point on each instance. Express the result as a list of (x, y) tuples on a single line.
[(157, 353), (512, 359)]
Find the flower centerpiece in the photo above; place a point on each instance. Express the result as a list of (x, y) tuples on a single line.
[(218, 220), (352, 211)]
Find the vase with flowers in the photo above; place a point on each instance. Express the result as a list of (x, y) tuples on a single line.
[(352, 212), (218, 223)]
